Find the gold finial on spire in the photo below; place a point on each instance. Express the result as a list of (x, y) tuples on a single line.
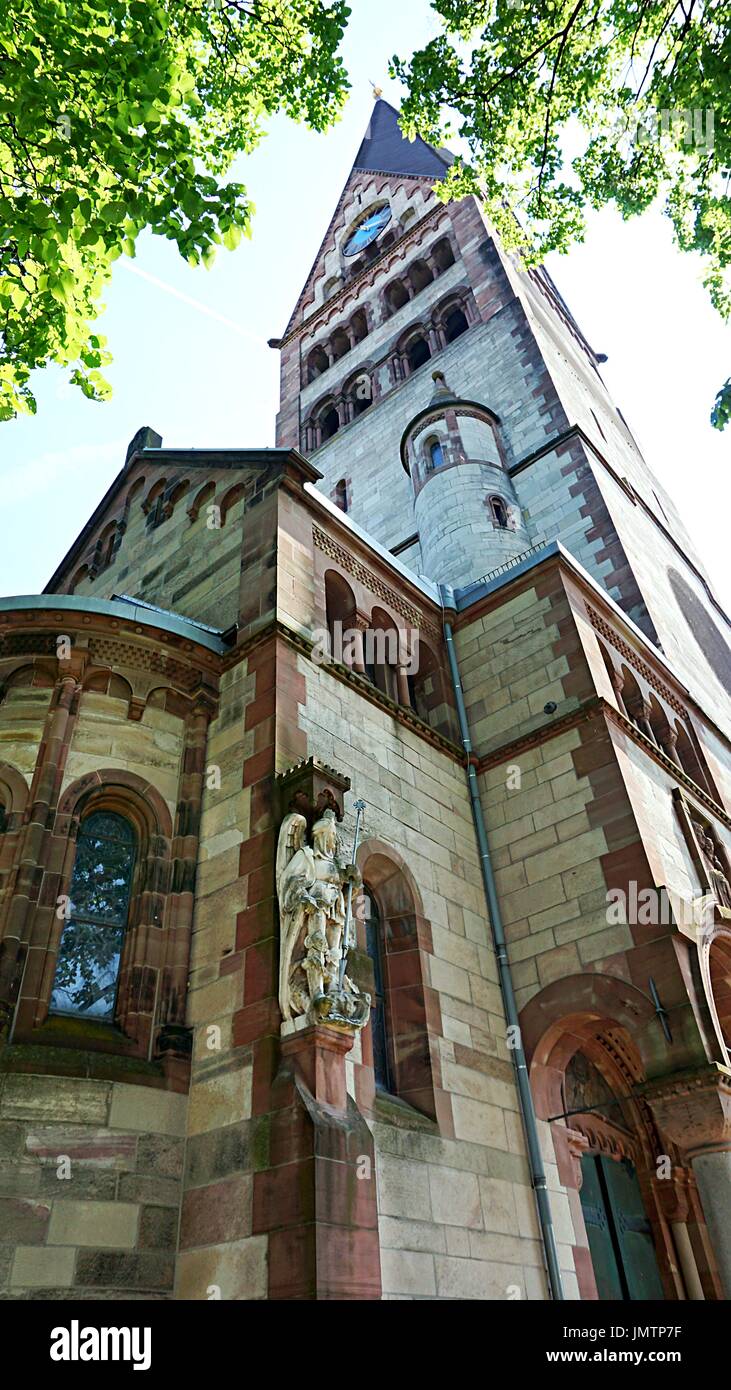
[(377, 91)]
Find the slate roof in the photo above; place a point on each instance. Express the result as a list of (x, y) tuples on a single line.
[(386, 150)]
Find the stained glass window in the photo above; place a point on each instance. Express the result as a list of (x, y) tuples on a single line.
[(381, 1055), (91, 945)]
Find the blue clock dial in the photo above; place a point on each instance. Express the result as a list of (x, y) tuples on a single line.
[(367, 231)]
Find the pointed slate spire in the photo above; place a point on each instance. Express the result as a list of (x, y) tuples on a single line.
[(386, 150)]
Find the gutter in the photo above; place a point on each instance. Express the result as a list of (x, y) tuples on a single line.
[(525, 1097)]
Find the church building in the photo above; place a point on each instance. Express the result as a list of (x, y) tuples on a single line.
[(365, 825)]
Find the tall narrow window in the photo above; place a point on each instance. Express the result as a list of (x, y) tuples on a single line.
[(87, 969), (340, 495), (499, 512), (435, 458), (379, 1030)]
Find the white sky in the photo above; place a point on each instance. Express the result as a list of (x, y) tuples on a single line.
[(190, 354)]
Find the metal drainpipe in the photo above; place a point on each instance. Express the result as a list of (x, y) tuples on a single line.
[(525, 1097)]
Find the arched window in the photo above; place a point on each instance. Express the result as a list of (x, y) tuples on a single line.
[(359, 326), (420, 276), (689, 759), (417, 352), (3, 818), (430, 693), (379, 1029), (317, 363), (359, 393), (81, 574), (203, 495), (443, 255), (454, 324), (88, 962), (340, 495), (107, 546), (395, 296), (329, 424), (382, 653), (339, 613), (499, 512), (339, 344), (434, 456)]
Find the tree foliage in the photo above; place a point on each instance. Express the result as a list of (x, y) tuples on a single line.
[(640, 88), (121, 115)]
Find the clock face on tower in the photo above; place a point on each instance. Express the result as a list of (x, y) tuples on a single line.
[(367, 230)]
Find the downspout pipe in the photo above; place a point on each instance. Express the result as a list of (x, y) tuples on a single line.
[(525, 1097)]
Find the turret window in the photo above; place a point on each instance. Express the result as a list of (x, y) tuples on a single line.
[(499, 512), (434, 456)]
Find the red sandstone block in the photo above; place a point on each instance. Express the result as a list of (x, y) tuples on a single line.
[(403, 968), (260, 971), (230, 964), (217, 1213), (591, 756), (255, 923), (261, 708), (626, 865), (265, 1057), (260, 885), (256, 1021), (292, 1264), (284, 1196), (342, 1198), (259, 766), (255, 852)]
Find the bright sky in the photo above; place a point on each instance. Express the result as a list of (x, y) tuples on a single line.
[(191, 360)]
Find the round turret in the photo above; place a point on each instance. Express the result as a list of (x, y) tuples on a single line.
[(467, 514)]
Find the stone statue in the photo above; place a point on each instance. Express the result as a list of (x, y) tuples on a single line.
[(312, 887), (709, 849)]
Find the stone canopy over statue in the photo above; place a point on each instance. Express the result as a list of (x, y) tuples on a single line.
[(314, 887)]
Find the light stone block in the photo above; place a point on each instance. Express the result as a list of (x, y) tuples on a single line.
[(147, 1110), (455, 1197), (106, 1225), (38, 1266)]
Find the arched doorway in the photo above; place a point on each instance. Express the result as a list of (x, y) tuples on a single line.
[(586, 1039), (619, 1233)]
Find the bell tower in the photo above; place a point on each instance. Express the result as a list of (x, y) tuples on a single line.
[(457, 413)]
